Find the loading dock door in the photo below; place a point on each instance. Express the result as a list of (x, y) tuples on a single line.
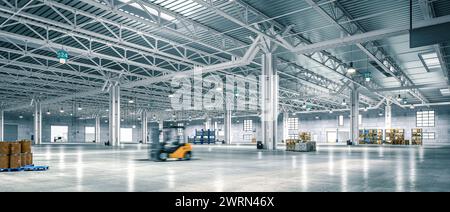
[(331, 136), (11, 132)]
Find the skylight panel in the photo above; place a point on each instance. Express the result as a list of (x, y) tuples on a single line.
[(430, 60)]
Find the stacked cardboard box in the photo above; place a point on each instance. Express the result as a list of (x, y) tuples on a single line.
[(300, 146), (305, 136), (15, 154), (4, 155)]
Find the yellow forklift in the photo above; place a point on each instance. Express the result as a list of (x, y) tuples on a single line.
[(173, 145)]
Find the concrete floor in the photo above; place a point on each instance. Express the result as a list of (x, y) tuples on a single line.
[(218, 168)]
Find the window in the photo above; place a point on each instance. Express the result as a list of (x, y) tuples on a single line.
[(247, 137), (341, 120), (126, 134), (360, 119), (89, 134), (59, 133), (293, 126), (293, 136), (248, 125), (430, 60), (292, 123), (425, 118), (428, 135), (180, 130)]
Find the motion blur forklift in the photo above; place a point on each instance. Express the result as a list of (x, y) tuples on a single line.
[(173, 145)]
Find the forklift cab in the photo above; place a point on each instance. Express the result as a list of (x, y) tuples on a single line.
[(173, 145)]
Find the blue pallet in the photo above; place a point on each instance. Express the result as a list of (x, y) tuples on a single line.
[(35, 168), (12, 169)]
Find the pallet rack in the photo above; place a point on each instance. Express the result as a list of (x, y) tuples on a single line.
[(371, 136), (396, 137), (416, 136)]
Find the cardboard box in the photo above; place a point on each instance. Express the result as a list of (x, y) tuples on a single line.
[(4, 148), (15, 161), (28, 158), (14, 148), (25, 146), (4, 161)]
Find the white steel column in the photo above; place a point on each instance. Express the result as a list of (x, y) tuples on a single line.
[(144, 127), (37, 123), (2, 124), (97, 129), (114, 116), (388, 114), (227, 126), (285, 126), (354, 114), (208, 123), (161, 134), (269, 101)]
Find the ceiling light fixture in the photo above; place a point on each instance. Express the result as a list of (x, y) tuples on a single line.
[(411, 107), (367, 77), (20, 117), (48, 112), (62, 56), (79, 107), (343, 102), (61, 110), (351, 69), (399, 98)]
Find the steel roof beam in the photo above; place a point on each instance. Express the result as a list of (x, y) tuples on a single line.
[(428, 11), (371, 49)]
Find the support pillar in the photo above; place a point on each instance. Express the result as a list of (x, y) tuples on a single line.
[(208, 123), (354, 114), (388, 114), (37, 123), (285, 126), (2, 124), (97, 129), (144, 127), (227, 126), (269, 101), (114, 115), (161, 133)]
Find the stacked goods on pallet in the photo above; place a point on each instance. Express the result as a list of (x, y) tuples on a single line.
[(395, 136), (300, 146), (15, 154), (416, 136), (290, 144), (26, 155), (305, 136), (4, 155)]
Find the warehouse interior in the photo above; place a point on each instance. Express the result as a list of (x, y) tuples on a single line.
[(363, 86)]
